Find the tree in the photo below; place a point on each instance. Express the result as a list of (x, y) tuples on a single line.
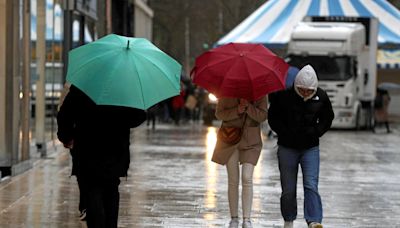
[(209, 20), (396, 3)]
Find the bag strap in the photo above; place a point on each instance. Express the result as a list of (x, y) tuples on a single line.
[(244, 121), (245, 117)]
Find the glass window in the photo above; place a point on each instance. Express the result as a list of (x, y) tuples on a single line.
[(328, 68)]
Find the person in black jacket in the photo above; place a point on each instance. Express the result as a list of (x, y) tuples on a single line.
[(75, 163), (300, 116), (99, 136)]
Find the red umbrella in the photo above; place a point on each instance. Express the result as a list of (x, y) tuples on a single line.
[(240, 70)]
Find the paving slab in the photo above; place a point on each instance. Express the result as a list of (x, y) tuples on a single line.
[(173, 183)]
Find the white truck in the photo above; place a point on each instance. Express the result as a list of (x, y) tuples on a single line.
[(342, 50)]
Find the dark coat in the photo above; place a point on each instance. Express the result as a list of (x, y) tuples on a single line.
[(299, 123), (101, 135)]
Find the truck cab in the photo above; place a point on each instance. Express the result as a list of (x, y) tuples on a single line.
[(342, 51)]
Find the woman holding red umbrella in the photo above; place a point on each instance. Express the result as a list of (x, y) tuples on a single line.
[(247, 115), (241, 75)]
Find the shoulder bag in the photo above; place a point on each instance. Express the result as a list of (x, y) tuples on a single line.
[(230, 135)]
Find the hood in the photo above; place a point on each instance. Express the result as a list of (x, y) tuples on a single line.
[(307, 79)]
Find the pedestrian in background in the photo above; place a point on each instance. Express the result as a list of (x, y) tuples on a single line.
[(190, 105), (381, 106), (152, 114), (247, 115), (100, 137), (178, 104), (300, 116)]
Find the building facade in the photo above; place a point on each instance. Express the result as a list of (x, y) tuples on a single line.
[(20, 55)]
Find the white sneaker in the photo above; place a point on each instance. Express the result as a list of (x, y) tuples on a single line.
[(247, 223), (315, 225), (288, 224), (234, 223)]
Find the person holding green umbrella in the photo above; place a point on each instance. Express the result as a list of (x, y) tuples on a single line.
[(113, 80)]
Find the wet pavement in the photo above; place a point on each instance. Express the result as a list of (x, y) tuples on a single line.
[(173, 183)]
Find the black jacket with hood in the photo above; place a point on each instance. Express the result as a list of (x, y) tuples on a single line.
[(101, 135), (299, 121)]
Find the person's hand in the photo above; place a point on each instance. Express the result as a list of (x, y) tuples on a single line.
[(69, 145), (244, 102), (242, 107)]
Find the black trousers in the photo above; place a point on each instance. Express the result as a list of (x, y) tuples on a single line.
[(103, 203), (82, 184)]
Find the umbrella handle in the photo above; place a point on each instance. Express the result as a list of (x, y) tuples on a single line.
[(192, 72), (127, 46)]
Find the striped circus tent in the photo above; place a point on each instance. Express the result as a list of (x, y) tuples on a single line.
[(272, 23)]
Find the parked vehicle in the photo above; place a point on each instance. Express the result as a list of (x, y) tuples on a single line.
[(342, 50)]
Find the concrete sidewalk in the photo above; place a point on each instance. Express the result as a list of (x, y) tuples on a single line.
[(173, 183)]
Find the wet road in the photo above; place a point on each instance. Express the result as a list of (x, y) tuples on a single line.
[(173, 183)]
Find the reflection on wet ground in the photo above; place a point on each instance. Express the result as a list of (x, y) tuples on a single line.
[(173, 183)]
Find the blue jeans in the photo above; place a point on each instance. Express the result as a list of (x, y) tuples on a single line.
[(289, 160)]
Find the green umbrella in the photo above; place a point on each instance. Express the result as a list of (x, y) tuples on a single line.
[(124, 71)]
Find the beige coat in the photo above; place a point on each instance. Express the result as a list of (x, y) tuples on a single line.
[(250, 144)]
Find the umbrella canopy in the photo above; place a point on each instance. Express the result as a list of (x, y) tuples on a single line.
[(124, 71), (240, 70)]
